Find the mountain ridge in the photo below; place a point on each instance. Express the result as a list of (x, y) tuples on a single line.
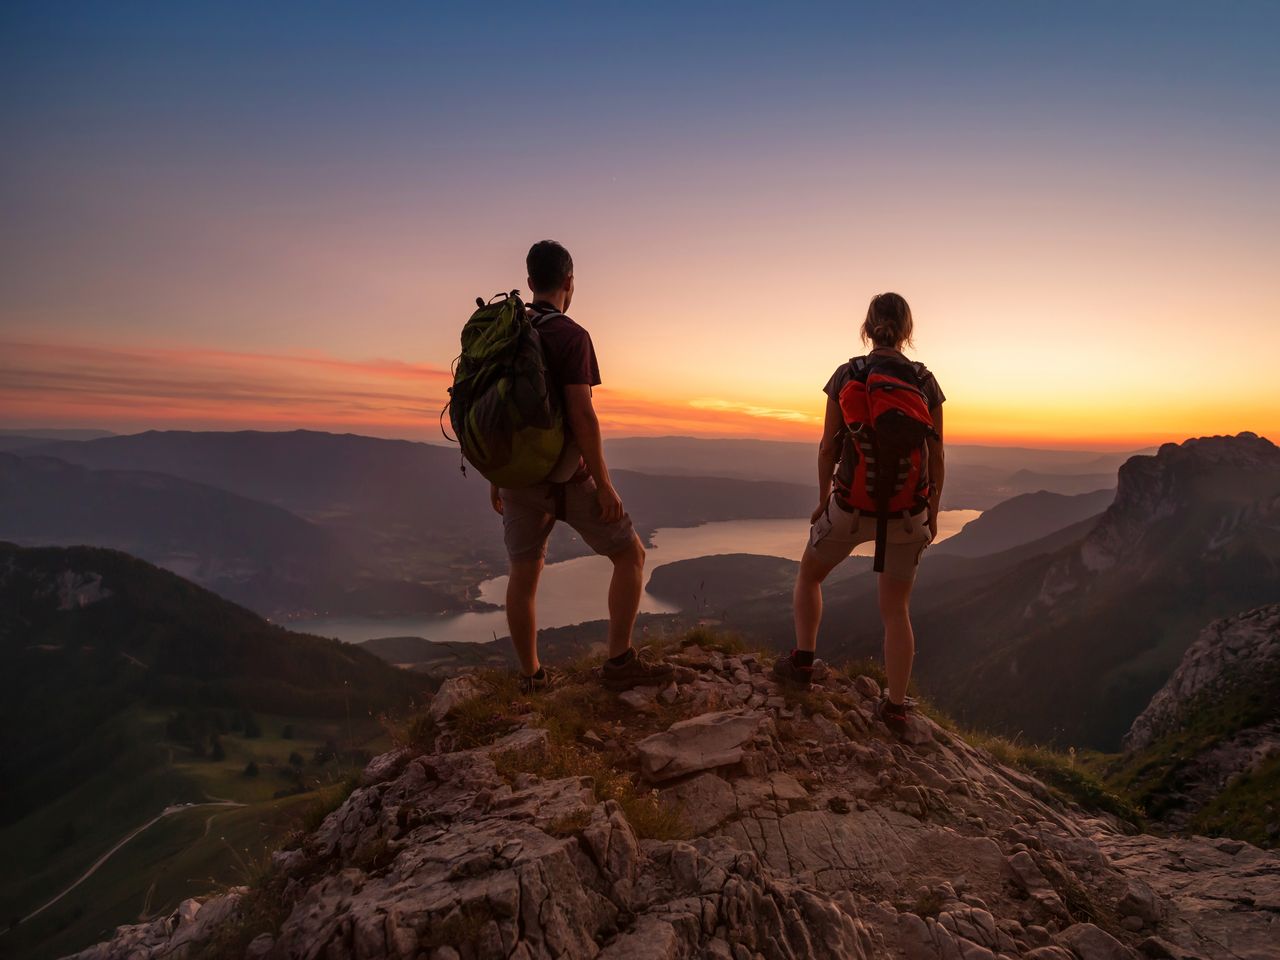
[(1186, 540), (246, 550)]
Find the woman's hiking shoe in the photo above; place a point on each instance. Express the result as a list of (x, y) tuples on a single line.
[(633, 670), (540, 682), (787, 671), (893, 715)]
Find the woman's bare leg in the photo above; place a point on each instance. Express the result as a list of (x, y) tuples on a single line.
[(807, 598), (899, 640)]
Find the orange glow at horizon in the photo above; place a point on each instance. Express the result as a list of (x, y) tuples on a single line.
[(1081, 206), (136, 388)]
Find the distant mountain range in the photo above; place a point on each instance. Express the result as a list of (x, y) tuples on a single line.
[(248, 551), (35, 437), (978, 477), (306, 523), (301, 523), (396, 488), (1023, 519)]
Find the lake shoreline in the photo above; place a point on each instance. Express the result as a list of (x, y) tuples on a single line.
[(574, 591)]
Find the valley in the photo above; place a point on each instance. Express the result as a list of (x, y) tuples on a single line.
[(200, 735), (301, 524)]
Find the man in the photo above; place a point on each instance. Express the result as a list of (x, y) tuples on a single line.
[(578, 491)]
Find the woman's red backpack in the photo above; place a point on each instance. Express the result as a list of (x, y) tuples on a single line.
[(886, 465)]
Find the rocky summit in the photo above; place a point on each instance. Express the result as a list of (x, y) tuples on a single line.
[(718, 817)]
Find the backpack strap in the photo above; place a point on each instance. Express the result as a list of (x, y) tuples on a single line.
[(882, 538), (539, 317)]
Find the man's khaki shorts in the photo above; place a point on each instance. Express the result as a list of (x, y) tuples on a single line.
[(529, 513), (838, 531)]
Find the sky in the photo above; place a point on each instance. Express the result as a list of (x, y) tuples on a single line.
[(222, 216)]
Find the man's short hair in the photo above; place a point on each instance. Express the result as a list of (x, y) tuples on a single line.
[(549, 266)]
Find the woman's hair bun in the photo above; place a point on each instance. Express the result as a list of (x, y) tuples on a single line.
[(888, 322)]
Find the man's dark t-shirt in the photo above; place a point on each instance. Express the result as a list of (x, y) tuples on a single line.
[(571, 360), (571, 357)]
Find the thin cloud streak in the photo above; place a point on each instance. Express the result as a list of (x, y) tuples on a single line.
[(131, 387), (128, 388), (49, 382), (753, 411)]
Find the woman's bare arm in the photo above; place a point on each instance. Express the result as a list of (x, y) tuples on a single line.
[(937, 469), (828, 454)]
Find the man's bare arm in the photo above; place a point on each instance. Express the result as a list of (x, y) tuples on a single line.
[(585, 426), (937, 469)]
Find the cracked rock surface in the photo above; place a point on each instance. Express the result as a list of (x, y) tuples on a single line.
[(806, 830)]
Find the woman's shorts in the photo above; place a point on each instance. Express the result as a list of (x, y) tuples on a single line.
[(838, 531)]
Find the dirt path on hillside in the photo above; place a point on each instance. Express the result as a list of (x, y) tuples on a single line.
[(93, 868)]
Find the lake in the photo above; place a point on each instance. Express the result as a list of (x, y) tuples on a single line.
[(573, 591)]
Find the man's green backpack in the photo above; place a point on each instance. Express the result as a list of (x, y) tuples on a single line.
[(505, 412)]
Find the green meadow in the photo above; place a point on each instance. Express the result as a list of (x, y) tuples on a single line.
[(221, 839)]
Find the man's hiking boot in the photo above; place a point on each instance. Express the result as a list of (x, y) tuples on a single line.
[(894, 716), (634, 671), (540, 682), (790, 673)]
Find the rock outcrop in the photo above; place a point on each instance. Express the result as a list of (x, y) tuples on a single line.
[(753, 824), (1230, 654), (1201, 753)]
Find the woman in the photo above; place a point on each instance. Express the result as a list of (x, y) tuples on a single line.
[(848, 515)]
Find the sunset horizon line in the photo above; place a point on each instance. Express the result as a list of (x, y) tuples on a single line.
[(1135, 446), (137, 387)]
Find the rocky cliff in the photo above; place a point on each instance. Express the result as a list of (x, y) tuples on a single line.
[(718, 817), (1205, 753), (1068, 647), (1230, 656), (1222, 491)]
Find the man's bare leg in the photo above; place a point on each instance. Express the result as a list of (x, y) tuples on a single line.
[(624, 596), (899, 640), (522, 588)]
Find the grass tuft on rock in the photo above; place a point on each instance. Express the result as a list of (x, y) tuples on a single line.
[(1247, 808), (1155, 775), (1061, 773), (609, 781)]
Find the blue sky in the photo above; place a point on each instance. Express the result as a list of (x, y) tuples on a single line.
[(335, 177)]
